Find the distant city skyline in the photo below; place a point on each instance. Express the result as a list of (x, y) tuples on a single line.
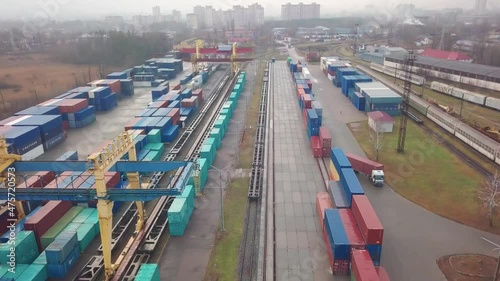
[(94, 9)]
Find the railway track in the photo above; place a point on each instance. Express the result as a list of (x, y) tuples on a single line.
[(145, 242), (249, 247)]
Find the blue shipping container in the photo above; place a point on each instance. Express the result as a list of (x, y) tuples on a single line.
[(350, 184), (61, 270), (339, 159), (21, 139), (375, 252), (170, 134), (60, 249), (337, 235), (39, 110)]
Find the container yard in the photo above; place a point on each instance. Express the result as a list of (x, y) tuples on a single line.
[(110, 177)]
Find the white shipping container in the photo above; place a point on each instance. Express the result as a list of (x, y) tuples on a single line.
[(142, 83), (34, 153), (307, 74), (330, 78)]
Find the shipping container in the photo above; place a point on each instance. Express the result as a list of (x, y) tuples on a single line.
[(363, 165), (62, 247), (45, 218), (367, 219), (336, 234), (148, 272), (25, 248), (325, 137), (40, 110), (339, 159), (338, 266), (375, 252), (350, 184), (323, 202), (362, 268), (62, 270), (34, 272), (352, 230), (59, 226), (21, 139)]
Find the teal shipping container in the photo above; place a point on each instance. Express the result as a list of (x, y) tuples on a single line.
[(34, 272), (219, 124), (217, 135), (41, 259), (25, 249), (85, 234), (148, 272), (83, 215), (6, 274), (154, 136)]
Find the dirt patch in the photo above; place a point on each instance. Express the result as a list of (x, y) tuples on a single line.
[(26, 80), (467, 267)]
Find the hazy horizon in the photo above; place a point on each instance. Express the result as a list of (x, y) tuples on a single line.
[(73, 9)]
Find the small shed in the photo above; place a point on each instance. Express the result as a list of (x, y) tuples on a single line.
[(380, 121)]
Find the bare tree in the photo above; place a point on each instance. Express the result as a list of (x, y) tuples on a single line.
[(489, 196), (377, 139)]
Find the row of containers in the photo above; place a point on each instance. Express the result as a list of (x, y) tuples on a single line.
[(352, 232), (182, 207), (39, 128), (364, 93), (312, 116)]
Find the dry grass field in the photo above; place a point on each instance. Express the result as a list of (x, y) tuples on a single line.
[(28, 79)]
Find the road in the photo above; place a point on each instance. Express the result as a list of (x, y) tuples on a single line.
[(414, 237)]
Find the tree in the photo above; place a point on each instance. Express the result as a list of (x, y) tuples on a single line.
[(377, 139), (489, 196)]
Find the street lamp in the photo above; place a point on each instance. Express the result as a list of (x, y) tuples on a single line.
[(221, 197)]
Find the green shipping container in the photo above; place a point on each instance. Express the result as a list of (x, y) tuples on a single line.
[(177, 210), (154, 136), (154, 155), (83, 215), (209, 141), (41, 259), (217, 135), (72, 226), (203, 171), (156, 147), (59, 226), (34, 272), (26, 249), (219, 124), (189, 195), (86, 233), (206, 152), (148, 272), (94, 218), (18, 270)]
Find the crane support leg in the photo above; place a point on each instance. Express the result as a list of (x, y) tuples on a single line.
[(135, 184)]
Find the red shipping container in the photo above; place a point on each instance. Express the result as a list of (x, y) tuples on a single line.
[(72, 105), (368, 222), (363, 165), (159, 104), (325, 137), (382, 273), (197, 92), (174, 114), (300, 93), (307, 101), (362, 266), (323, 202), (326, 152), (176, 86), (114, 85), (40, 179), (352, 230), (45, 218), (112, 179), (309, 84), (66, 125), (131, 123), (316, 146), (51, 102)]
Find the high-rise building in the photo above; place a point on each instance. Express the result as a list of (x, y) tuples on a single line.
[(480, 7), (237, 18), (176, 16), (300, 11), (209, 16), (156, 11), (200, 11), (192, 21)]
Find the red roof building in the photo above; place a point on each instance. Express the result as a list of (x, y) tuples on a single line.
[(380, 121), (445, 55)]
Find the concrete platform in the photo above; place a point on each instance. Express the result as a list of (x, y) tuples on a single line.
[(300, 249), (187, 257), (414, 237)]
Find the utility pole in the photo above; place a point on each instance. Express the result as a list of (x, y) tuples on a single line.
[(496, 277), (409, 60), (356, 42)]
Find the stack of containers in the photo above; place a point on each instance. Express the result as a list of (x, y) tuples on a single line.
[(24, 141), (159, 91), (127, 87), (348, 82), (39, 110), (356, 241), (199, 94), (86, 226), (178, 216), (325, 140), (337, 80), (362, 267), (316, 105), (113, 84), (350, 184), (62, 254), (25, 249), (117, 75), (50, 126), (148, 272), (59, 226), (103, 99), (337, 243), (313, 123), (45, 218), (370, 226)]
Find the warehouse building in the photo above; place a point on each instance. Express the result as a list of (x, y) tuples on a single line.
[(379, 98), (380, 121)]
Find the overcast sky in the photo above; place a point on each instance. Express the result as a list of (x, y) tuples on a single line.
[(65, 9)]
